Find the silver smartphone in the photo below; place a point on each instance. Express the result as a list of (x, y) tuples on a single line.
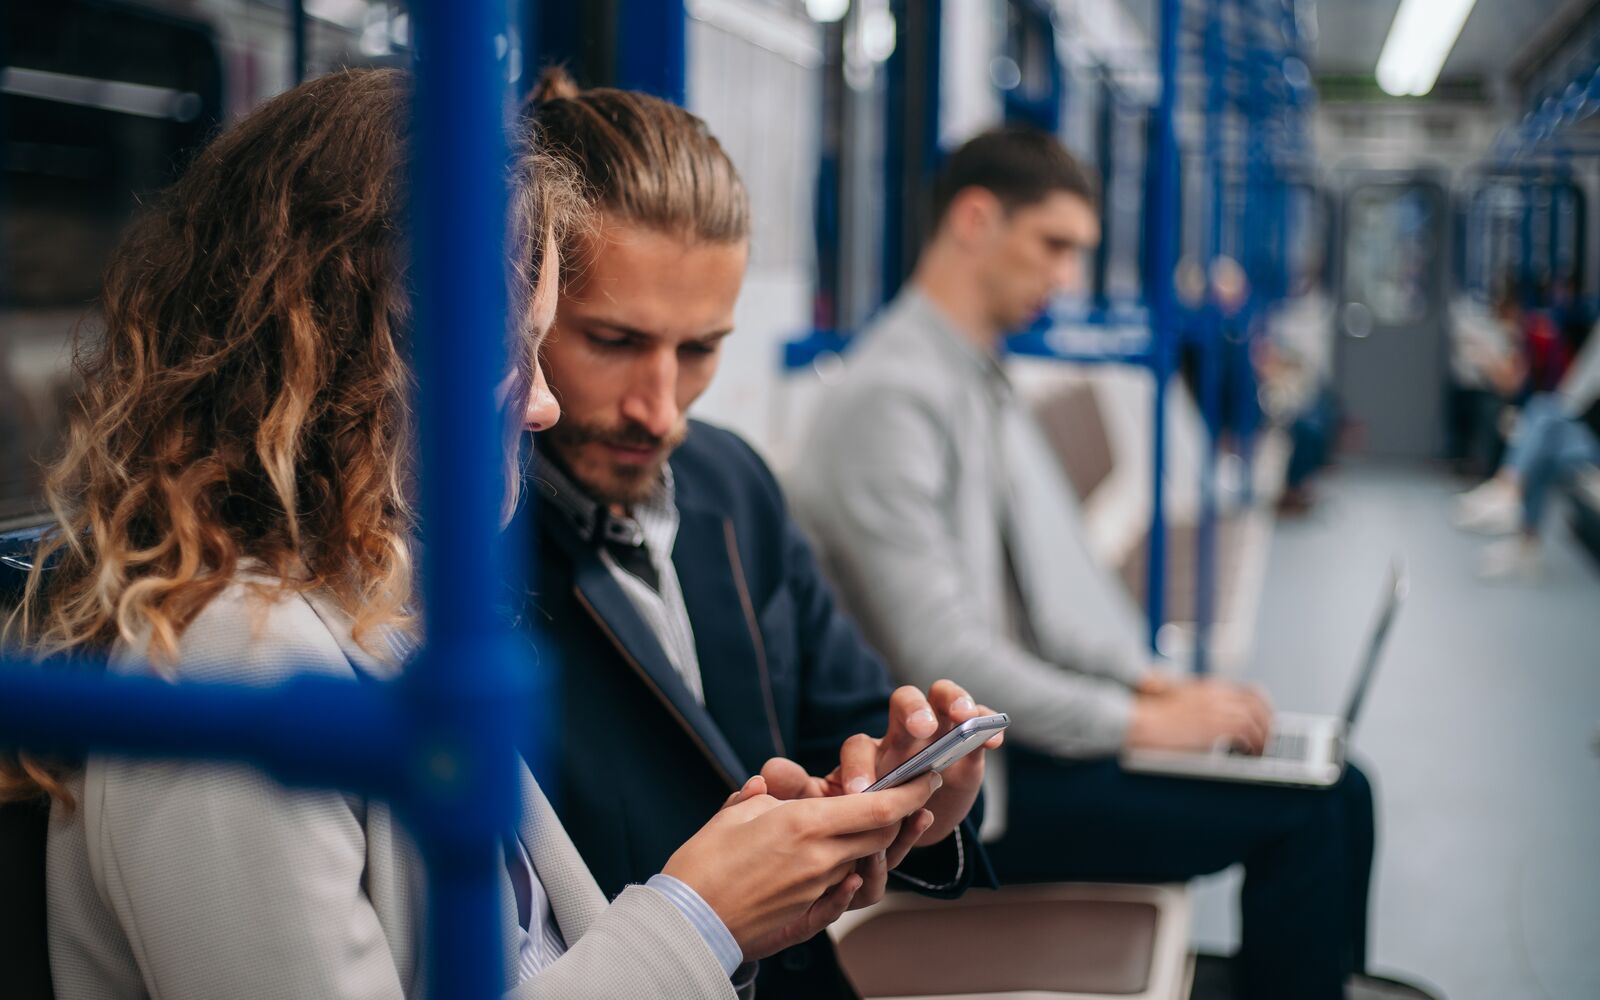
[(945, 750)]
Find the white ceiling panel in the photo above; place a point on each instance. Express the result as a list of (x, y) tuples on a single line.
[(1351, 33)]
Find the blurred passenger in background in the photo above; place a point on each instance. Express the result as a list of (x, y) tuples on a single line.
[(234, 506), (1296, 366), (1556, 438), (1530, 359), (1486, 370), (941, 508), (695, 636), (1546, 350)]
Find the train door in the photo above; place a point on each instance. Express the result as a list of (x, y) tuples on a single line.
[(1391, 350)]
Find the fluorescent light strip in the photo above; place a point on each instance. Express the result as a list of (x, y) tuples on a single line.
[(1420, 39), (107, 95)]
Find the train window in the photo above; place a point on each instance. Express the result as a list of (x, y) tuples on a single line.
[(1528, 228), (1388, 251), (101, 105)]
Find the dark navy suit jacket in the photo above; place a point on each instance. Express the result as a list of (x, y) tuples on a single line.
[(640, 765)]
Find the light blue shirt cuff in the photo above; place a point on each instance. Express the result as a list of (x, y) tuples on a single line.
[(702, 918)]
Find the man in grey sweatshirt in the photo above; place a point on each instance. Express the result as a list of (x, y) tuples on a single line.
[(952, 536)]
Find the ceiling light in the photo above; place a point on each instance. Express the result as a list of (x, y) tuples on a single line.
[(878, 31), (827, 11), (1420, 39)]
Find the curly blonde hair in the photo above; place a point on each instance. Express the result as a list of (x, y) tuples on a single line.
[(248, 404)]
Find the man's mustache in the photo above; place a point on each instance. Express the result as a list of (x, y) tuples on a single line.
[(628, 436)]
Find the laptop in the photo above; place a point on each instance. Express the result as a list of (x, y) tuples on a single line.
[(1304, 750)]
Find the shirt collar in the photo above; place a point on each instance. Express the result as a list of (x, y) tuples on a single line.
[(952, 341), (590, 518)]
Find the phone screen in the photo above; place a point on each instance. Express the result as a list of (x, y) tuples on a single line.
[(944, 751)]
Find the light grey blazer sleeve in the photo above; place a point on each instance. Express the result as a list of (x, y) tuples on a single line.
[(187, 880)]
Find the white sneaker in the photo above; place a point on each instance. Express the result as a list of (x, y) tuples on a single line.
[(1492, 509), (1470, 500), (1510, 560)]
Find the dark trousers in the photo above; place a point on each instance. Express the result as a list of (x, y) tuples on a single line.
[(1314, 432), (1307, 855), (1475, 443)]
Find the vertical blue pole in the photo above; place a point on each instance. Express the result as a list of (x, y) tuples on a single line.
[(652, 41), (1162, 227), (1210, 339), (1106, 147), (1525, 266), (464, 693), (1481, 242), (911, 143), (297, 42), (1553, 231)]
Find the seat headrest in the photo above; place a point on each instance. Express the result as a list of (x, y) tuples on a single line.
[(17, 551)]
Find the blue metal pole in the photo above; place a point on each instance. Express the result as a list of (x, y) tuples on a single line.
[(297, 41), (1162, 221), (1210, 340), (652, 39), (1477, 231), (1525, 268), (468, 691), (309, 730), (1106, 148), (911, 141), (1261, 247), (440, 742), (1553, 232)]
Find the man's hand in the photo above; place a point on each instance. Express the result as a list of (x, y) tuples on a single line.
[(914, 722), (1155, 682), (777, 872), (1197, 715)]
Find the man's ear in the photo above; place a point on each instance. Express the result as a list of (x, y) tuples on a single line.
[(975, 214)]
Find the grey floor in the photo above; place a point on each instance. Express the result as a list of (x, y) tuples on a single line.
[(1480, 733)]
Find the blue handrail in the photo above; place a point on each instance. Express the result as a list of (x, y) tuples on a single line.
[(1163, 213), (440, 742), (651, 48)]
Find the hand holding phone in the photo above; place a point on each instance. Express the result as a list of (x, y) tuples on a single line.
[(946, 750)]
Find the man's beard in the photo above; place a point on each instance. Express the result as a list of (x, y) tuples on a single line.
[(623, 484)]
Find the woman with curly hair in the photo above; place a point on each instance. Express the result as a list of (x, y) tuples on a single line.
[(235, 503)]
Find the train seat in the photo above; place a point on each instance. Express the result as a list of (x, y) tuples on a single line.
[(1586, 511), (1098, 419), (1071, 941), (16, 556), (22, 832)]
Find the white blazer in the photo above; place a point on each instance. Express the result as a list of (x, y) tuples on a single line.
[(208, 881)]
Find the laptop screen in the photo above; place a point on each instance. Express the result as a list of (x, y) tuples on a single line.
[(1396, 586)]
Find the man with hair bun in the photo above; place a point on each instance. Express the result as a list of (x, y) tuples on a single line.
[(696, 642)]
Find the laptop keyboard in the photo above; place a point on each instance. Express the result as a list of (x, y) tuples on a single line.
[(1282, 746)]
